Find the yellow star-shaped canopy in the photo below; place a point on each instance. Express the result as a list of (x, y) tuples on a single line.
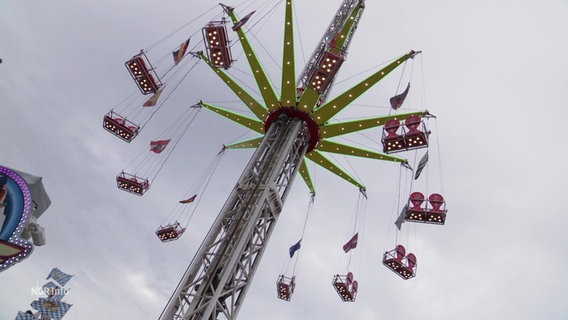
[(307, 105)]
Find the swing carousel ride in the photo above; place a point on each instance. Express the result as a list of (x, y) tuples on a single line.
[(295, 125)]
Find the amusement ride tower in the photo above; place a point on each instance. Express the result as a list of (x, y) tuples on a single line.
[(293, 127)]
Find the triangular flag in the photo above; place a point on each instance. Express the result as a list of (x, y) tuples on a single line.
[(158, 145), (351, 244), (397, 101), (400, 220), (188, 200), (153, 99), (241, 22), (179, 53), (295, 248), (421, 165)]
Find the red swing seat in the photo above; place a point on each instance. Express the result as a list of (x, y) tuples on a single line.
[(415, 211), (170, 232), (345, 286), (392, 141), (327, 66), (433, 212), (397, 138), (120, 126), (396, 261), (143, 74), (437, 213), (131, 183), (416, 136), (285, 287), (217, 44)]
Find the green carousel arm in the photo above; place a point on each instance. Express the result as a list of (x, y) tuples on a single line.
[(260, 76), (235, 117), (288, 86), (335, 147), (305, 174), (308, 99), (341, 128), (347, 28), (252, 143), (324, 162), (331, 108), (256, 108)]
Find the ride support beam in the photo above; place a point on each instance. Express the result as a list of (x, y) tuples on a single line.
[(258, 109), (217, 280), (264, 85), (288, 85), (325, 163), (331, 108)]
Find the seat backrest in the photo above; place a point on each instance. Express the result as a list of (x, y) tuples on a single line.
[(436, 200), (400, 252), (119, 120), (354, 287), (349, 279), (412, 123), (416, 198), (411, 260), (391, 127)]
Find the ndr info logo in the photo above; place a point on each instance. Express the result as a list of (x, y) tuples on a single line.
[(49, 291)]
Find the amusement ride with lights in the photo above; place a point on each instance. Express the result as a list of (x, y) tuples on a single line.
[(293, 125)]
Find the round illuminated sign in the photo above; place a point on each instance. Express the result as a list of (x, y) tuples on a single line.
[(15, 204)]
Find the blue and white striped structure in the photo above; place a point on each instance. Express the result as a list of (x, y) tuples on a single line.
[(25, 316), (53, 291), (61, 277), (52, 309)]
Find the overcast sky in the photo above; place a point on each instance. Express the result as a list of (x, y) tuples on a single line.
[(493, 72)]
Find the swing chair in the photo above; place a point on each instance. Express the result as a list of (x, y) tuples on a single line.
[(170, 232), (397, 138), (137, 177), (131, 183), (327, 66), (285, 285), (128, 118), (120, 126), (217, 44), (177, 221), (143, 73), (433, 211), (345, 285), (410, 135), (400, 263)]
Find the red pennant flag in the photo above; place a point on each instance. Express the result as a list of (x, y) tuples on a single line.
[(158, 145), (153, 99), (351, 244), (179, 53), (188, 200), (241, 22), (398, 100)]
